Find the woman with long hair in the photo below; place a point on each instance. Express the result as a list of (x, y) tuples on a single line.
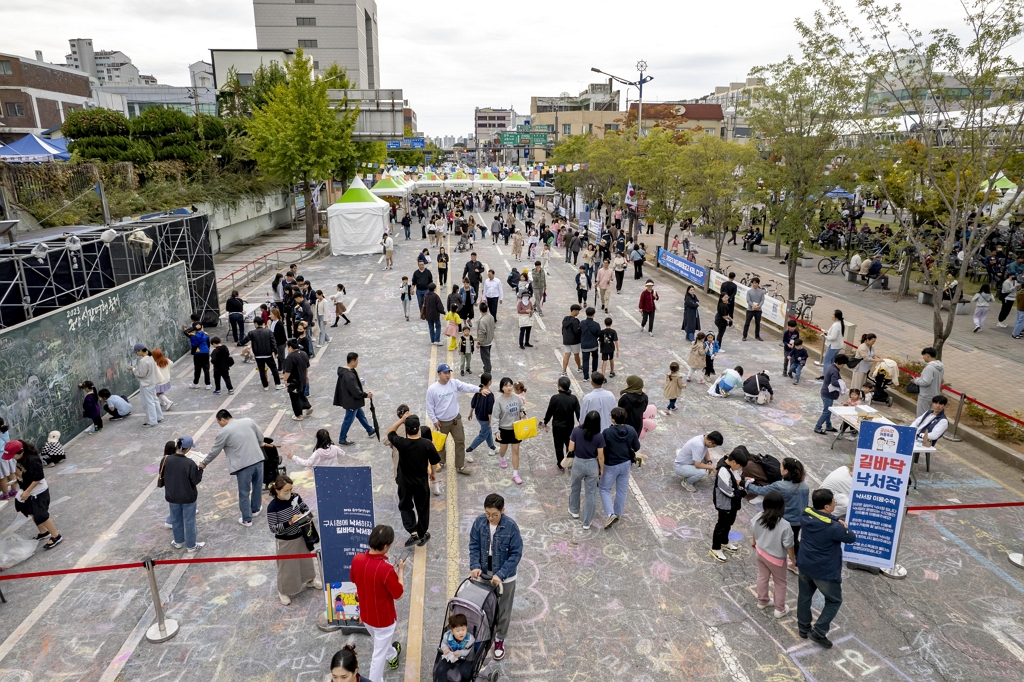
[(723, 317), (586, 447), (834, 338), (163, 373), (795, 494), (772, 541), (34, 499), (325, 453), (442, 267), (507, 411), (289, 519)]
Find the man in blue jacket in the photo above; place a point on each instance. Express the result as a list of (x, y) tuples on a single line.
[(496, 547), (821, 565)]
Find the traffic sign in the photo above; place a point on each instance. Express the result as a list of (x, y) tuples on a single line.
[(523, 128), (538, 139), (510, 139)]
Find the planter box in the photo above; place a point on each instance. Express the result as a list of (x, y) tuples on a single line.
[(924, 298), (852, 276), (762, 248), (806, 262), (963, 308)]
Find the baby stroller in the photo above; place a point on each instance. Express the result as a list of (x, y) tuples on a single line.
[(879, 394), (476, 599), (465, 242)]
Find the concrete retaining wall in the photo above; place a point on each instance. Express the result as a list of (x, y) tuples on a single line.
[(241, 222)]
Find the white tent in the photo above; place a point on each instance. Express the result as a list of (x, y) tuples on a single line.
[(515, 182), (357, 221), (487, 182), (389, 186)]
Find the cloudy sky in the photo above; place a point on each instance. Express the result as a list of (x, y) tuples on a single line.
[(454, 55)]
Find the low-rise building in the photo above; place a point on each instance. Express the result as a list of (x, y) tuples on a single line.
[(707, 118)]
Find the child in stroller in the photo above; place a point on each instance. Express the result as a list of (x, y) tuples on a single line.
[(472, 612), (879, 394)]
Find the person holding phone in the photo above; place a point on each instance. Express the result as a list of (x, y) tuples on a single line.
[(378, 586)]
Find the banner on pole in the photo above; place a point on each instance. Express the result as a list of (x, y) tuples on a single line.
[(881, 476), (344, 500)]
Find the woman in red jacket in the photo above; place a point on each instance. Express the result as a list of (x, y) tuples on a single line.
[(647, 306)]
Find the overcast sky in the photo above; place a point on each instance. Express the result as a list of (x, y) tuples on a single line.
[(454, 55)]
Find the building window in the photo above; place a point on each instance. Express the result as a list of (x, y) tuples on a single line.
[(245, 79), (611, 126), (567, 129), (590, 127), (15, 109), (316, 66), (5, 67), (307, 43), (305, 21), (305, 2)]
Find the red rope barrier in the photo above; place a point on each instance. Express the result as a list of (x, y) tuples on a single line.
[(139, 564), (936, 507)]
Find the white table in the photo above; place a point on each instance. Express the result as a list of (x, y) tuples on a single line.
[(849, 416)]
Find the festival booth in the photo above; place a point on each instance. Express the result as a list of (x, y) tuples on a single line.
[(515, 182), (459, 182), (839, 193), (999, 183), (389, 187), (486, 182), (34, 149), (357, 221), (429, 182)]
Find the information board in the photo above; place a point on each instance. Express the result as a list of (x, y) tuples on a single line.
[(881, 476), (682, 267), (344, 500)]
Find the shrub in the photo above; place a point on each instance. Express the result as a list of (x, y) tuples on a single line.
[(1008, 430), (976, 414), (156, 122), (112, 149), (809, 335), (95, 123), (171, 134)]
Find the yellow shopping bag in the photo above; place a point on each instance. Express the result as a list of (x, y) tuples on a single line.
[(525, 428), (439, 439)]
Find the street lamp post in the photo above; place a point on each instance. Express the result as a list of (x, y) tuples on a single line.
[(641, 66)]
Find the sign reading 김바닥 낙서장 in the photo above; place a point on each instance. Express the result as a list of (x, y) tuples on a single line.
[(344, 498), (881, 476)]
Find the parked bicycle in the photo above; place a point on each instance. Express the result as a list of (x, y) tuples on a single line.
[(829, 264), (802, 309), (775, 289), (747, 277)]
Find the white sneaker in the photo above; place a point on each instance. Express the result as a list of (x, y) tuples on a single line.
[(257, 512), (285, 599), (469, 458), (199, 546), (279, 387), (732, 547), (193, 385), (689, 488), (247, 524), (764, 606), (719, 555), (208, 387), (316, 583), (575, 516), (177, 545), (168, 526), (781, 614), (1001, 325)]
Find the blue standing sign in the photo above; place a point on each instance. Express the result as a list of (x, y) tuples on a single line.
[(881, 476), (682, 267), (344, 500)]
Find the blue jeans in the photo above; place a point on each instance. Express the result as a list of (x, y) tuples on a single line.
[(615, 475), (671, 403), (690, 473), (1018, 327), (420, 293), (485, 436), (796, 369), (250, 484), (408, 230), (830, 355), (831, 590), (346, 424), (435, 330), (323, 338), (826, 416), (183, 519)]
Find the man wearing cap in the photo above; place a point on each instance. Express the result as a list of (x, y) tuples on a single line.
[(443, 412), (145, 372), (241, 441)]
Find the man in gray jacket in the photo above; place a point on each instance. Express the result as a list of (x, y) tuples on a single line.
[(145, 372), (485, 335), (930, 381), (240, 440)]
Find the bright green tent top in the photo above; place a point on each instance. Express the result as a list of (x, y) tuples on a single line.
[(1001, 182), (358, 194), (488, 176), (459, 175), (388, 183), (515, 177)]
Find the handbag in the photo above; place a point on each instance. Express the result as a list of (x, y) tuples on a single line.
[(913, 388), (423, 312), (853, 362), (160, 476), (438, 439), (312, 535), (525, 428)]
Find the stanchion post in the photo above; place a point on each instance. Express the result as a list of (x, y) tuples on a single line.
[(956, 423), (164, 628), (322, 622), (898, 572)]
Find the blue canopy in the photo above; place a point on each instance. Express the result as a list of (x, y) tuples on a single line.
[(34, 149), (839, 193)]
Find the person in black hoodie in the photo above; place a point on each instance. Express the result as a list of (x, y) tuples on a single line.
[(620, 441), (589, 331), (563, 412), (571, 338), (179, 476), (220, 358), (263, 345), (634, 401), (349, 394), (235, 308), (820, 559), (278, 328)]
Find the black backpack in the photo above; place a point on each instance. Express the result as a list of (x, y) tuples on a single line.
[(513, 279), (772, 467)]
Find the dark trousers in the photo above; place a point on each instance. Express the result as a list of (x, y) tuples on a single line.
[(754, 315), (237, 321), (224, 374), (263, 364), (644, 317), (492, 304), (97, 423), (581, 297), (414, 505), (299, 400), (442, 276), (1004, 310), (575, 257), (464, 666), (619, 275), (709, 366), (720, 536), (638, 269), (589, 362), (524, 336), (561, 436), (721, 325), (831, 590), (201, 364), (485, 358), (732, 238)]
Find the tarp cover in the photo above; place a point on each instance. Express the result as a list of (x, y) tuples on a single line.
[(34, 149), (357, 221)]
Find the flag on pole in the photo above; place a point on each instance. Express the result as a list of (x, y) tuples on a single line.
[(630, 195)]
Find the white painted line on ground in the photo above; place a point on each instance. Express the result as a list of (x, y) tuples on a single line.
[(274, 423), (379, 260), (728, 657), (80, 471), (507, 265), (633, 319), (368, 278), (540, 321), (993, 628), (500, 252)]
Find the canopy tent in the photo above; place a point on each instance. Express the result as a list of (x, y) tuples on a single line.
[(407, 182), (389, 187), (515, 182), (34, 149), (1001, 183), (459, 181), (838, 193), (357, 221), (429, 182), (487, 181)]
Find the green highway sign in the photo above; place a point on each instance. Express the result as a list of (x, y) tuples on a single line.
[(510, 139), (538, 139), (524, 139)]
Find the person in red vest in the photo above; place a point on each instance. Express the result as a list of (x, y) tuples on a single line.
[(378, 586)]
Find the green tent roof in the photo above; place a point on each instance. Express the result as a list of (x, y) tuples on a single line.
[(387, 183), (1001, 182), (516, 177), (357, 194), (488, 176)]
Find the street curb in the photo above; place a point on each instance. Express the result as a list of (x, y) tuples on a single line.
[(975, 438)]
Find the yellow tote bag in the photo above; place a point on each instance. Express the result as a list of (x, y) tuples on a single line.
[(525, 428), (439, 439)]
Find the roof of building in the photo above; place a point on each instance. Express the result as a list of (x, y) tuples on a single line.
[(694, 112)]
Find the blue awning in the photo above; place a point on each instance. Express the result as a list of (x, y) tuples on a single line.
[(34, 149)]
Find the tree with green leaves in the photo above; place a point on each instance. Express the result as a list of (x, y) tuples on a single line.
[(798, 116), (297, 136), (959, 101)]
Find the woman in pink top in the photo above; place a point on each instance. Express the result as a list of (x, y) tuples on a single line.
[(604, 283), (325, 454)]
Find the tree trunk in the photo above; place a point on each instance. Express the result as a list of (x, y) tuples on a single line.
[(794, 253), (778, 242), (307, 193), (719, 245)]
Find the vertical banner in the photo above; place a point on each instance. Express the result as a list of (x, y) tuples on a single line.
[(344, 500), (881, 475)]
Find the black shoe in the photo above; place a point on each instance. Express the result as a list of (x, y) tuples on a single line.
[(334, 325), (346, 442), (529, 345), (413, 539), (803, 635), (56, 541), (424, 540), (42, 536), (831, 429), (820, 639)]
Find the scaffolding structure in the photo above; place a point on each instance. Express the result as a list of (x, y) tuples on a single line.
[(49, 269)]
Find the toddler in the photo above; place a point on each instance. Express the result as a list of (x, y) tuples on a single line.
[(467, 344), (696, 360), (52, 453), (673, 386), (789, 336), (710, 351), (457, 645), (797, 360)]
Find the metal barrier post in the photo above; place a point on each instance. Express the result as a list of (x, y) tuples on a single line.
[(163, 629), (959, 408)]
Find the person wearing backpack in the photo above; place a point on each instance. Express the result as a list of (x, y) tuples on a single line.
[(794, 492), (727, 496)]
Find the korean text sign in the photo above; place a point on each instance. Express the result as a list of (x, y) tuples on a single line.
[(881, 474), (344, 499)]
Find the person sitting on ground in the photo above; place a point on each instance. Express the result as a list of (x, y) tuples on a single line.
[(755, 384), (727, 381)]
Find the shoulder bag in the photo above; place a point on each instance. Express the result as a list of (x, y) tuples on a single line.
[(160, 476)]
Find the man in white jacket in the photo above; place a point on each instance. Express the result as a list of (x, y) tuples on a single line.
[(146, 372)]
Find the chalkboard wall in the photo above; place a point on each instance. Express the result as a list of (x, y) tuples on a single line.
[(42, 361)]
